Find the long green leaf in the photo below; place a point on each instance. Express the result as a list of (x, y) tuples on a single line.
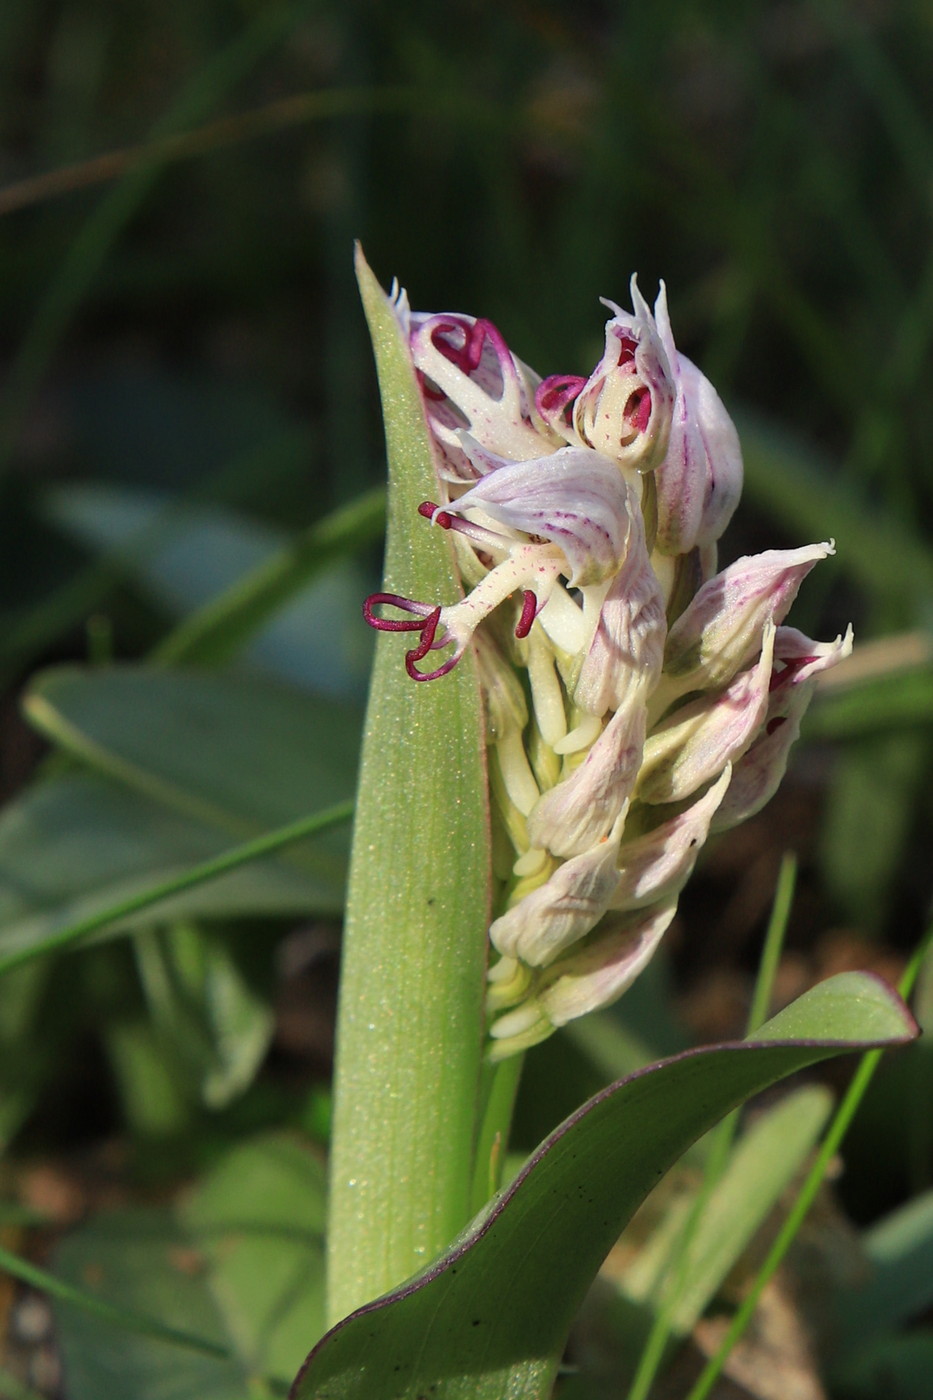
[(238, 752), (128, 844), (900, 1285), (411, 1014), (762, 1166), (239, 586), (489, 1319)]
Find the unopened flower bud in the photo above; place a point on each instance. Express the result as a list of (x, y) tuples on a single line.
[(798, 662), (657, 865), (699, 481), (583, 808), (559, 913), (721, 629), (583, 980)]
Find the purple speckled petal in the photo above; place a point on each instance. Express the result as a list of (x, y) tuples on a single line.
[(574, 498)]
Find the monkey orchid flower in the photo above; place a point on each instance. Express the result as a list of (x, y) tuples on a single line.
[(636, 700)]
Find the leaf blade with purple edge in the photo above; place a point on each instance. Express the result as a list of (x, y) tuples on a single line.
[(489, 1319)]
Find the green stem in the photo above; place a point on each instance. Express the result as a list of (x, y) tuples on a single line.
[(123, 1318), (501, 1086), (721, 1140)]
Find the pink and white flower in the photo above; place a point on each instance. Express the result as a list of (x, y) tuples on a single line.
[(636, 700)]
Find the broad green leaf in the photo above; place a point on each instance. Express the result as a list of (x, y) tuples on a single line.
[(763, 1164), (489, 1319), (234, 751), (75, 845), (260, 1217), (238, 1263), (413, 975), (899, 1287)]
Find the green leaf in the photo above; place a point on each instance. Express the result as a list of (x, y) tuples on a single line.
[(239, 1263), (291, 605), (489, 1319), (900, 1285), (234, 751), (77, 845), (762, 1166), (413, 974), (74, 846), (27, 1049), (212, 1023)]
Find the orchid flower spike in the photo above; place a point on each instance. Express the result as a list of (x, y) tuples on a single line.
[(636, 699)]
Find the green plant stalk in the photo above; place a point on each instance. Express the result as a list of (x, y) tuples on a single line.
[(495, 1121), (410, 1026), (807, 1194), (722, 1136)]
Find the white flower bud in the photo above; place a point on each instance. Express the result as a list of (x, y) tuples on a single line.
[(721, 629), (699, 481)]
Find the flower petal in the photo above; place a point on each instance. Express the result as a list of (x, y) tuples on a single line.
[(563, 910), (628, 641), (574, 498), (471, 380), (696, 742), (624, 409), (699, 481), (658, 864), (759, 771), (583, 808), (597, 975), (721, 629)]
